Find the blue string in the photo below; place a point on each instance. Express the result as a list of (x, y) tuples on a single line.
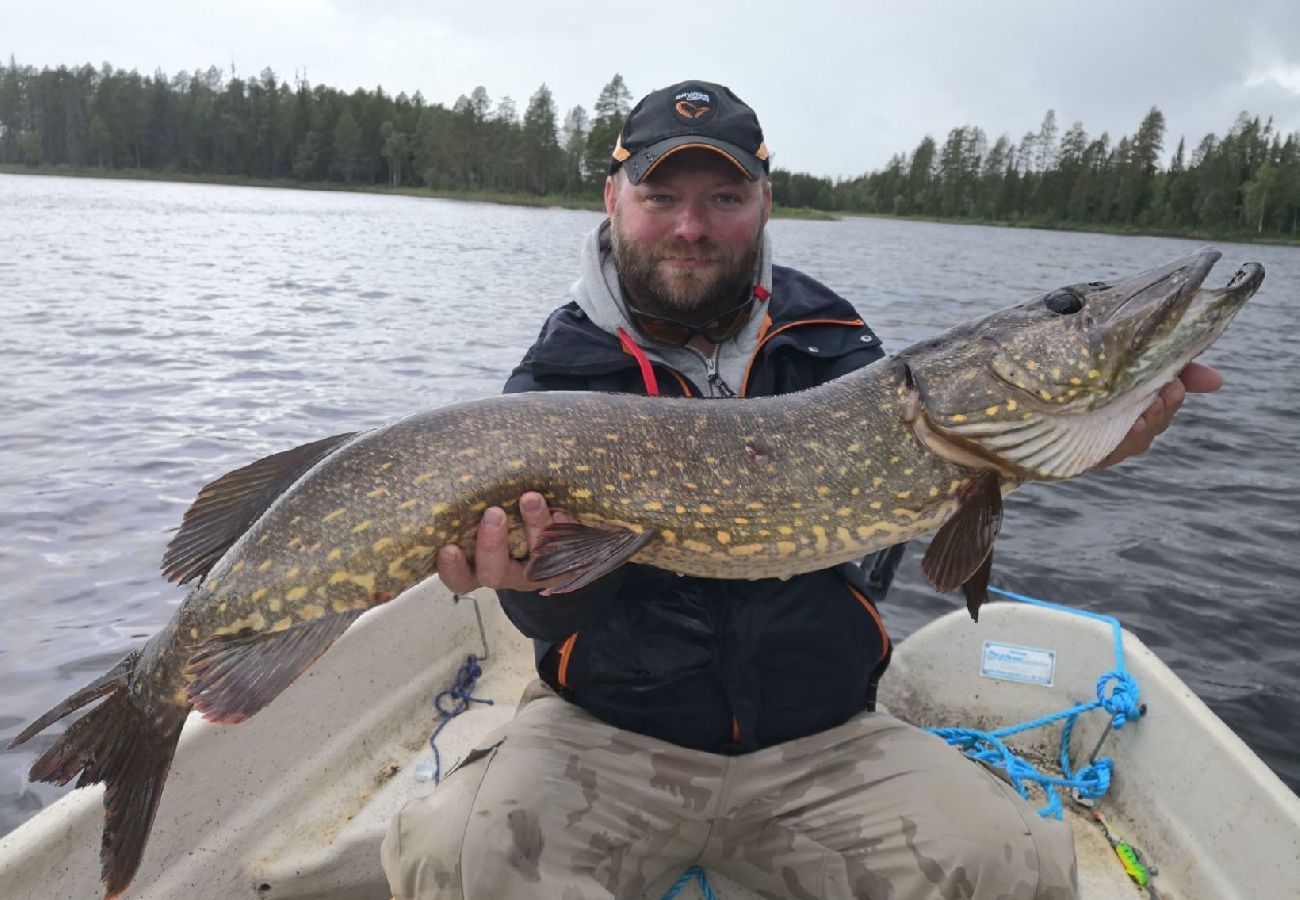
[(460, 696), (1122, 703), (697, 873)]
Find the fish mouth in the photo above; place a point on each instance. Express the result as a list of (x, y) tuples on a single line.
[(1168, 287)]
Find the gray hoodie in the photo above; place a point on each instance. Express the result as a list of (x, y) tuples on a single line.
[(599, 295)]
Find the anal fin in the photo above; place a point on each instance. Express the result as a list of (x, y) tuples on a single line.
[(583, 551), (961, 554), (236, 675)]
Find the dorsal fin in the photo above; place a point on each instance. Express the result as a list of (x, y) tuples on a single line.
[(226, 508)]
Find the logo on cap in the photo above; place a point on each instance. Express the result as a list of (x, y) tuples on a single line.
[(692, 104)]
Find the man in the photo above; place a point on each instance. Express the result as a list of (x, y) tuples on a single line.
[(688, 720)]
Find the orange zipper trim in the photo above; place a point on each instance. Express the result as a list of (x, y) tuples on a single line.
[(764, 336), (874, 614), (565, 650)]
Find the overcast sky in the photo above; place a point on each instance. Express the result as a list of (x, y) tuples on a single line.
[(838, 86)]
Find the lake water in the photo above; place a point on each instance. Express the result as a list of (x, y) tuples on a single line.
[(154, 336)]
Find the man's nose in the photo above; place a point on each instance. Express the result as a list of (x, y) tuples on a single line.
[(692, 221)]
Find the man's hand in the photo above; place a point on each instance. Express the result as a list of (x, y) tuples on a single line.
[(494, 567), (1194, 379)]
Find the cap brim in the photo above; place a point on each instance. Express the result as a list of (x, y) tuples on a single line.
[(639, 165)]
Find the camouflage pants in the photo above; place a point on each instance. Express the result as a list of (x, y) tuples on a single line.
[(560, 805)]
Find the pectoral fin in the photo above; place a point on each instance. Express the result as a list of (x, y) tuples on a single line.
[(235, 675), (226, 508), (961, 554), (583, 551)]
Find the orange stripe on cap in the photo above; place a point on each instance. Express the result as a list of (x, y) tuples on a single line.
[(718, 150), (621, 154)]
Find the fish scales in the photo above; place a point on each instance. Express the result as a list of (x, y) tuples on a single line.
[(289, 550)]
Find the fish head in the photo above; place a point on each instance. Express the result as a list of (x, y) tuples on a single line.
[(1047, 388)]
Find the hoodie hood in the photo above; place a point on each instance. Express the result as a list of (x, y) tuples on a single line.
[(598, 294)]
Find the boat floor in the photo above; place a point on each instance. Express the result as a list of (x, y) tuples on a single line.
[(293, 803)]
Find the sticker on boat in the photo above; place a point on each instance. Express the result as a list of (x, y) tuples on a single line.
[(1011, 662)]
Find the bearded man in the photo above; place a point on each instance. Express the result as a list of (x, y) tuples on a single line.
[(682, 720)]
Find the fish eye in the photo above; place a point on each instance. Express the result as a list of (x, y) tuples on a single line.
[(1063, 302)]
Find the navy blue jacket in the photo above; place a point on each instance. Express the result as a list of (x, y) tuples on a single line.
[(721, 666)]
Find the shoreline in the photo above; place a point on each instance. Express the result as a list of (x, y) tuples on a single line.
[(503, 199)]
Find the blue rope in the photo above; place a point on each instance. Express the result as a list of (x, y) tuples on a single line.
[(697, 873), (1122, 703), (459, 695)]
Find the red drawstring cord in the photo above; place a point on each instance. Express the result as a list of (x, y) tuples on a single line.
[(647, 370)]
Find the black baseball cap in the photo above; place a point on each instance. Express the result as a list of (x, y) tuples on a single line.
[(689, 115)]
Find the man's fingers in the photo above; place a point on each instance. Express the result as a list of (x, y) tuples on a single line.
[(455, 572), (492, 548), (532, 509), (1199, 378)]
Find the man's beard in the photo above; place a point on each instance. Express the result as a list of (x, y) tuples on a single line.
[(688, 295)]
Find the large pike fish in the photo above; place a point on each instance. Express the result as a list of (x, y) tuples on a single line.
[(289, 551)]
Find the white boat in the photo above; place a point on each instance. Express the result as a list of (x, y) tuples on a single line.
[(294, 802)]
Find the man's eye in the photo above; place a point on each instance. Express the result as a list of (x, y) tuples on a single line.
[(728, 198), (659, 198)]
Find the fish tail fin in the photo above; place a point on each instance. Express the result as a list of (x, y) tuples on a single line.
[(126, 747)]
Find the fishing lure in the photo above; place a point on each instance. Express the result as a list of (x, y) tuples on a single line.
[(1128, 856)]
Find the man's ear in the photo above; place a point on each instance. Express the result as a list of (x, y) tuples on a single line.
[(767, 199), (611, 194)]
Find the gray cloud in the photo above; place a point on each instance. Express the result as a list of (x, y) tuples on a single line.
[(840, 86)]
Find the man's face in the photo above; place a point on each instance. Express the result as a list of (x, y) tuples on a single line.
[(687, 238)]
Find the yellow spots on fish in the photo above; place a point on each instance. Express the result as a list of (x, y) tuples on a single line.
[(379, 545), (697, 546), (821, 540), (582, 468), (237, 568), (993, 410), (569, 442), (295, 594), (608, 488), (516, 464), (796, 506), (386, 466), (380, 491), (844, 511), (652, 506), (854, 447), (580, 494), (1101, 357), (628, 476), (877, 481), (842, 535), (407, 504), (740, 520), (822, 490), (333, 555), (753, 505), (957, 417), (907, 471), (361, 526), (282, 624), (612, 436), (785, 529), (706, 509), (903, 495), (335, 514), (555, 466), (1031, 365), (310, 611), (275, 604), (262, 567), (468, 452), (1076, 381), (786, 548), (341, 606), (745, 550), (875, 504), (724, 537), (1045, 393), (855, 491), (221, 607), (1011, 406), (895, 460), (1056, 373), (194, 632), (711, 460), (667, 536), (466, 478), (292, 573)]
